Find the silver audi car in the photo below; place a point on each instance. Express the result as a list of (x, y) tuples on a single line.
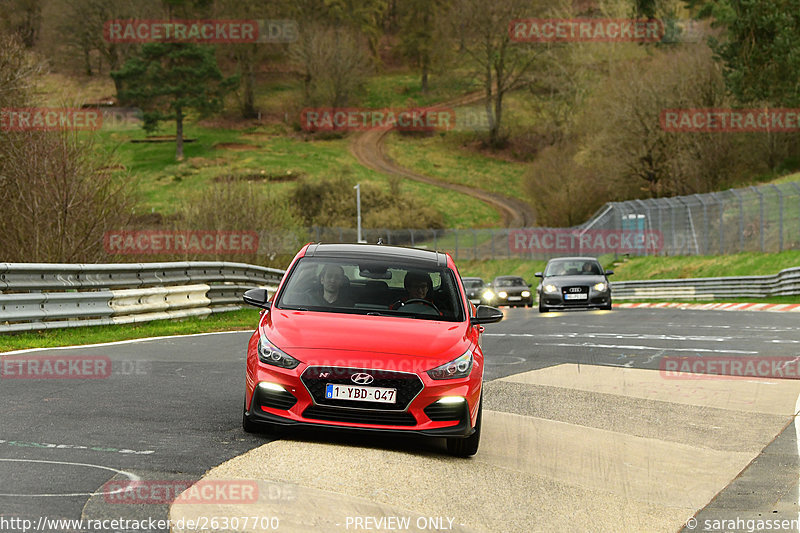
[(574, 282)]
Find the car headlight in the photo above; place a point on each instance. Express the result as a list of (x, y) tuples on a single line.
[(460, 367), (600, 287), (270, 354), (488, 295), (550, 288), (502, 294), (525, 294)]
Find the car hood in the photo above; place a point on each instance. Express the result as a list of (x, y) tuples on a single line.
[(314, 337), (573, 280)]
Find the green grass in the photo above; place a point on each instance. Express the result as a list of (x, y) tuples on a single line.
[(243, 319), (164, 183), (743, 264)]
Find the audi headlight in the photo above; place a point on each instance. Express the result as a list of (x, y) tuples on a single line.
[(550, 288), (600, 287), (459, 367), (270, 354), (502, 294), (525, 294), (488, 295)]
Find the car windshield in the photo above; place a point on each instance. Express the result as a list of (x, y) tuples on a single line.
[(578, 267), (372, 287), (509, 282), (473, 283)]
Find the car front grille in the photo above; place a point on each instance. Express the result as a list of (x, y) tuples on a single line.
[(358, 416), (408, 386), (575, 289)]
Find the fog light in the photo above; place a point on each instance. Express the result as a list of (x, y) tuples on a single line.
[(448, 400)]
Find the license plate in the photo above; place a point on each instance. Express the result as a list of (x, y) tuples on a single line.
[(580, 296), (514, 298), (359, 393), (476, 301)]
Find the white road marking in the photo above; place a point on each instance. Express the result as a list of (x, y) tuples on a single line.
[(625, 346), (130, 476)]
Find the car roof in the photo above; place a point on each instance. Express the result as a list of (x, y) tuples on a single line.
[(403, 254), (574, 259), (509, 277), (471, 278)]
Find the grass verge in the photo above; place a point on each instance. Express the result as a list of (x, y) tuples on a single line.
[(232, 320)]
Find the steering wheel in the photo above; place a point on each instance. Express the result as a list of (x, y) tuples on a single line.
[(400, 303)]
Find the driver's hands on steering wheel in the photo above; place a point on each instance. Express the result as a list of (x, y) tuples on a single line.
[(400, 303)]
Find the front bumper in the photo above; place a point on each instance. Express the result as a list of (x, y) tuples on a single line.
[(595, 299), (300, 405)]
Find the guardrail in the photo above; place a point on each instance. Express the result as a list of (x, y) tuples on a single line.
[(784, 283), (36, 296)]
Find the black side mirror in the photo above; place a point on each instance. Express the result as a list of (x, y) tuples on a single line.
[(486, 314), (258, 298), (609, 272), (539, 275)]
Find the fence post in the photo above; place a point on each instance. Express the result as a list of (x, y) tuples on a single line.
[(760, 216), (706, 237), (455, 232), (721, 232), (741, 219), (474, 244), (797, 188), (780, 217)]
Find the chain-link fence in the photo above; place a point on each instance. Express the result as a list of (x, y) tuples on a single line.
[(765, 218), (754, 219)]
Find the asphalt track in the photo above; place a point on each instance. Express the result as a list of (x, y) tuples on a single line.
[(582, 432)]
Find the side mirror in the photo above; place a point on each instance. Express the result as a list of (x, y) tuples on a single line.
[(539, 275), (486, 314), (258, 298), (609, 272)]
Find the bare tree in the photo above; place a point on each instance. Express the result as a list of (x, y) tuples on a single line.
[(335, 64), (498, 63), (57, 193)]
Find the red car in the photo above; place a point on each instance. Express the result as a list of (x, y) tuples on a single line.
[(369, 337)]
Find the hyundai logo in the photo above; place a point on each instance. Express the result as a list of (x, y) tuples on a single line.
[(575, 289), (361, 378)]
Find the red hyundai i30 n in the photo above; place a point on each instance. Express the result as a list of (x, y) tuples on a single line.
[(372, 338)]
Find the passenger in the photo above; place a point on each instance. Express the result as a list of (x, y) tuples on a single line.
[(332, 289)]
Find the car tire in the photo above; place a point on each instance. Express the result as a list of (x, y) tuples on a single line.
[(467, 447), (543, 308)]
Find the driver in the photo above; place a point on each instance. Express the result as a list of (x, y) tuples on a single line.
[(418, 287)]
